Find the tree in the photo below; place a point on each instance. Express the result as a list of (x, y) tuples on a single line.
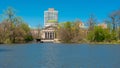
[(115, 22), (5, 32), (19, 35), (115, 19), (100, 35), (39, 31), (79, 34), (119, 33), (70, 32), (10, 14), (65, 32), (76, 31), (1, 34), (13, 28), (92, 21)]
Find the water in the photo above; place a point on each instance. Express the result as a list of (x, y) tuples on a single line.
[(49, 55)]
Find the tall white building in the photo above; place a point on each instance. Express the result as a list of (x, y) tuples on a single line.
[(50, 17)]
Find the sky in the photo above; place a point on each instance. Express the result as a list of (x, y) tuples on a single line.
[(32, 11)]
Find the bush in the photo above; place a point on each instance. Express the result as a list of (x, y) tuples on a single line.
[(28, 38)]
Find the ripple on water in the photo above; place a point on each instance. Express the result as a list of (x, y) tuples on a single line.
[(50, 55)]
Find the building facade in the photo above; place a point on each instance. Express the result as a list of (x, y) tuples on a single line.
[(48, 33), (81, 25), (103, 25)]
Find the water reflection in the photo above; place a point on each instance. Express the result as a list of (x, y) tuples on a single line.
[(5, 50), (49, 55)]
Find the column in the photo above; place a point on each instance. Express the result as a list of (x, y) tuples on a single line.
[(50, 36), (47, 35), (54, 35)]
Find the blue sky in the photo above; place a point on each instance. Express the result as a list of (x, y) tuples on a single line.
[(32, 11)]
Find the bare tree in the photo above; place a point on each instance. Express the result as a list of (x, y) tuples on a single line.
[(91, 22), (10, 14), (39, 31), (115, 19)]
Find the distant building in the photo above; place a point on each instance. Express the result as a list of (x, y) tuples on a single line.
[(48, 33), (50, 17), (81, 25), (36, 33), (103, 25), (50, 25)]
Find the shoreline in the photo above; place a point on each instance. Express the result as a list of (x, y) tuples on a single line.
[(65, 43)]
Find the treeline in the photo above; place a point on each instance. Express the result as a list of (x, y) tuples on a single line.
[(13, 29), (70, 32), (109, 34)]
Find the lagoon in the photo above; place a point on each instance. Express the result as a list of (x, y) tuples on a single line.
[(53, 55)]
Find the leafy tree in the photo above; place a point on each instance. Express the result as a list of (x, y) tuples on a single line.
[(91, 36), (70, 32), (114, 35), (99, 35), (13, 28), (64, 32), (75, 32), (25, 27), (19, 35), (5, 32), (28, 38)]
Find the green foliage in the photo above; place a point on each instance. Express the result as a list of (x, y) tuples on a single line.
[(114, 35), (107, 34), (25, 27), (13, 29), (70, 32), (91, 36), (64, 32), (119, 33), (101, 35), (28, 38)]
